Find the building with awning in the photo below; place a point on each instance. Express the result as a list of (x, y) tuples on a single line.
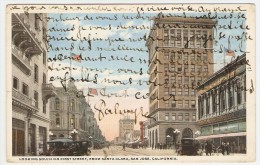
[(221, 109)]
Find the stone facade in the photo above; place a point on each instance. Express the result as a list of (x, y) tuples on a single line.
[(126, 129), (181, 55), (68, 111), (30, 93), (222, 106)]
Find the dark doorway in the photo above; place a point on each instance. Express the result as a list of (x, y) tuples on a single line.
[(187, 133)]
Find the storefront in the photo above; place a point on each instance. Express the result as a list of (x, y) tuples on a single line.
[(18, 137), (232, 132)]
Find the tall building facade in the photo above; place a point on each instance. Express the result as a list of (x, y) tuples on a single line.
[(180, 55), (30, 91), (69, 111), (222, 106), (126, 129)]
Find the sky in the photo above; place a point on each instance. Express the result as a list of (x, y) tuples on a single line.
[(104, 27)]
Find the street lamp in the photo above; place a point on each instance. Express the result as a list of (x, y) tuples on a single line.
[(74, 134), (197, 133), (50, 135)]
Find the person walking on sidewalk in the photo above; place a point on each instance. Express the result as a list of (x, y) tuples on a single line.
[(223, 148), (228, 148), (208, 148), (123, 146)]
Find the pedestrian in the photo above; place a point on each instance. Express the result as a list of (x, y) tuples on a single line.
[(209, 148), (105, 153), (123, 146), (177, 147), (223, 148), (152, 146), (228, 148), (202, 146)]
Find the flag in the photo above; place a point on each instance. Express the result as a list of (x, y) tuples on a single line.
[(229, 52), (75, 57), (92, 91)]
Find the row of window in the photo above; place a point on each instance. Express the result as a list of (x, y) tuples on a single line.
[(59, 123), (25, 90), (180, 79), (180, 104), (38, 20), (186, 68), (181, 117), (186, 38), (180, 91), (58, 104), (223, 98), (173, 56)]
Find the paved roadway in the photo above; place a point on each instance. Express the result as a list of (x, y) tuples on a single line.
[(117, 151)]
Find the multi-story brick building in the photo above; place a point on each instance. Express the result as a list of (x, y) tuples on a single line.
[(126, 129), (30, 91), (69, 111), (222, 106), (181, 55)]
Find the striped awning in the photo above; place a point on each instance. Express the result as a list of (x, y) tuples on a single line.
[(221, 135)]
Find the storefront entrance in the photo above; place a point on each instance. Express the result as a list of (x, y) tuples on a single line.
[(18, 137)]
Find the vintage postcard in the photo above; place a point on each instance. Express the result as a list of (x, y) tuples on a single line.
[(130, 83)]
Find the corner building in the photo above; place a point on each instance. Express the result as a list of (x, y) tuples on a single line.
[(222, 106), (181, 55), (69, 111), (30, 90)]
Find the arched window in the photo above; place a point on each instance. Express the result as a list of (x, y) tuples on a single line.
[(57, 104), (202, 106), (57, 120), (223, 98), (169, 136), (214, 101), (207, 97), (245, 88), (239, 94), (73, 104), (231, 95)]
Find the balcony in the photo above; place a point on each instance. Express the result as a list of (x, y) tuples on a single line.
[(24, 22), (21, 61), (24, 37), (23, 101), (48, 91)]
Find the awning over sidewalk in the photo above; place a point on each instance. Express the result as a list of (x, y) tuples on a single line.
[(221, 135)]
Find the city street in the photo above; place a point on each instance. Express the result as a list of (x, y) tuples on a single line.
[(117, 151)]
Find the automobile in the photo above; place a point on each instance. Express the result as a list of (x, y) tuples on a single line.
[(189, 146), (68, 147)]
